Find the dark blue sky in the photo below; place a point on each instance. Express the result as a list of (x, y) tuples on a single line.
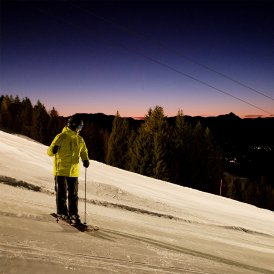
[(88, 56)]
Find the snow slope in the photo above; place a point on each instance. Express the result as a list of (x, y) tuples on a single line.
[(146, 225)]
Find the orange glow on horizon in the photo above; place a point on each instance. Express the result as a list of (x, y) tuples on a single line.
[(139, 115)]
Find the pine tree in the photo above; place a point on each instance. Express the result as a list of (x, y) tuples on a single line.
[(15, 112), (141, 157), (149, 154), (54, 125), (117, 154), (26, 116), (40, 121), (181, 144), (96, 140), (6, 118)]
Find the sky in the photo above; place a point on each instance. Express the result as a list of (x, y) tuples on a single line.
[(204, 58)]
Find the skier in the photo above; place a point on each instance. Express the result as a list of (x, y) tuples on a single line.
[(68, 147)]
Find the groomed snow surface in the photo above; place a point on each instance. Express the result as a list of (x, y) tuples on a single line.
[(146, 225)]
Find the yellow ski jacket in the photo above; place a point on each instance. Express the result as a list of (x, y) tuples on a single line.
[(71, 147)]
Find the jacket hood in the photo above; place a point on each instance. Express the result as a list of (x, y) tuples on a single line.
[(69, 131)]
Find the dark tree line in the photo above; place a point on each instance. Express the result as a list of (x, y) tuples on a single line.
[(179, 153), (34, 121), (182, 154), (173, 150)]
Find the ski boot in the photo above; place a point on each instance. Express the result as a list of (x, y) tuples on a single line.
[(75, 219), (62, 217)]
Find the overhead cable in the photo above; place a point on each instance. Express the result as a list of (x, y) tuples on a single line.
[(130, 31)]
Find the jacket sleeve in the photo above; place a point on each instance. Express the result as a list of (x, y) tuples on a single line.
[(56, 142), (84, 151)]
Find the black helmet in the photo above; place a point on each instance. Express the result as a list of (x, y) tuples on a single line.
[(75, 123)]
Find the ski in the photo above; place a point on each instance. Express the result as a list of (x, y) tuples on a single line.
[(79, 226)]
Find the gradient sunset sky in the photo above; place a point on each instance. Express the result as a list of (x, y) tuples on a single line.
[(205, 58)]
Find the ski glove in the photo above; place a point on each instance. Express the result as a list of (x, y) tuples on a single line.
[(55, 149), (86, 163)]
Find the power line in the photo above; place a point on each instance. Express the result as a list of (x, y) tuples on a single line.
[(175, 51), (203, 82), (227, 77)]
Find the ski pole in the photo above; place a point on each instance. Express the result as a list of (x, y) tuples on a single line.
[(85, 194)]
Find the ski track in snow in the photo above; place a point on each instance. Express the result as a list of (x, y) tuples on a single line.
[(29, 251)]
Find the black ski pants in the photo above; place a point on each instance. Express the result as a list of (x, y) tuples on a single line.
[(66, 188)]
